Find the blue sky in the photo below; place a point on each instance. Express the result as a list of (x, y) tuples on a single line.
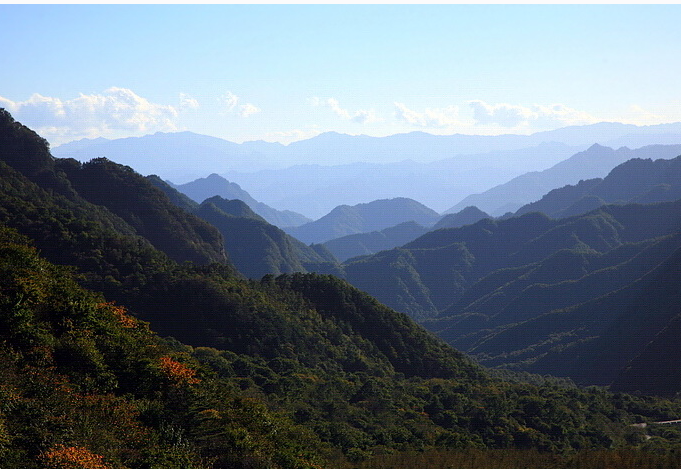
[(283, 73)]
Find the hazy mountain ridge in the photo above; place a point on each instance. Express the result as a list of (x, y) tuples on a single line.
[(364, 218), (636, 180), (467, 216), (457, 165), (255, 247), (405, 146), (418, 146), (436, 184), (361, 244), (595, 162), (175, 152), (212, 185)]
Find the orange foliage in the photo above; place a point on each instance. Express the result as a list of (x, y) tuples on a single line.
[(73, 457), (177, 372), (121, 314)]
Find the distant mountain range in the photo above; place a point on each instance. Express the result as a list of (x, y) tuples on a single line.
[(436, 170), (596, 162), (342, 148), (437, 184)]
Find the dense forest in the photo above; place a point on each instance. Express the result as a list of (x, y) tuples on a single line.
[(131, 340), (577, 296)]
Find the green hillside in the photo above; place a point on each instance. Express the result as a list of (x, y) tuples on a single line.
[(85, 385), (145, 208), (525, 292), (215, 185), (254, 246)]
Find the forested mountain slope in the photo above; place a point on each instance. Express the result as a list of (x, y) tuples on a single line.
[(489, 287), (361, 244), (212, 185), (254, 246), (85, 385), (466, 216), (145, 208), (364, 218), (637, 180)]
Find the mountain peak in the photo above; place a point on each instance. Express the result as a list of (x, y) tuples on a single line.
[(597, 146)]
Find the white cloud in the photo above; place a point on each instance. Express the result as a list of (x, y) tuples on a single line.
[(365, 117), (638, 114), (230, 103), (362, 116), (187, 102), (443, 117), (335, 107), (248, 109), (665, 114), (505, 115), (539, 115), (116, 110)]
